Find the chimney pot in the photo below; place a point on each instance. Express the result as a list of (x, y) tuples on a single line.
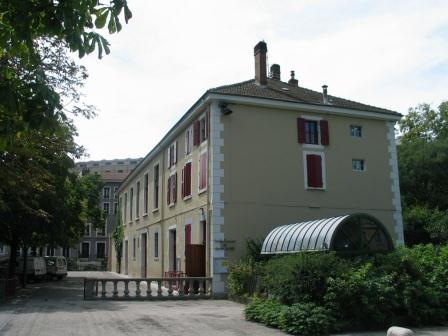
[(260, 51), (325, 94), (293, 82), (275, 71)]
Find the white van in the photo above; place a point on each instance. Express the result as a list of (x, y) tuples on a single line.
[(35, 267), (56, 267)]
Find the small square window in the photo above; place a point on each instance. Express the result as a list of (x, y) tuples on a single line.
[(356, 131), (358, 165)]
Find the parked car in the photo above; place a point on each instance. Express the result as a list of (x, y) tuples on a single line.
[(56, 267), (35, 268)]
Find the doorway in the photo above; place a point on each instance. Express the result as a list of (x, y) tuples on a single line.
[(144, 256)]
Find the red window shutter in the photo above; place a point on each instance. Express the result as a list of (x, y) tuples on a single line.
[(183, 182), (196, 131), (188, 234), (188, 179), (314, 171), (301, 130), (324, 137), (168, 191), (174, 188)]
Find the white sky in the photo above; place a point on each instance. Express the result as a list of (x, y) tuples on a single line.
[(391, 54)]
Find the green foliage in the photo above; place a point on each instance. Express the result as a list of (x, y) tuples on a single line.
[(301, 277), (118, 236), (305, 319), (243, 277), (92, 186), (322, 292), (424, 225)]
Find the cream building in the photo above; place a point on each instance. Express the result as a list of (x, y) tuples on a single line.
[(249, 157)]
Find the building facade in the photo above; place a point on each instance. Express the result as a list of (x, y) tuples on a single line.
[(249, 157), (94, 250)]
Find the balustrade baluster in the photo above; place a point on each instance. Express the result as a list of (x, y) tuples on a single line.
[(159, 288), (103, 288), (126, 288), (201, 289), (180, 287)]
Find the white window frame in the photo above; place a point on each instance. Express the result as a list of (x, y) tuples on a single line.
[(305, 170), (200, 191), (98, 231), (188, 141), (172, 146), (363, 165), (314, 146), (90, 230), (353, 133), (108, 208), (171, 196), (104, 192), (203, 141), (96, 251)]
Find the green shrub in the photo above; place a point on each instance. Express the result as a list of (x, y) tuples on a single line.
[(243, 277), (305, 319), (264, 311), (301, 277)]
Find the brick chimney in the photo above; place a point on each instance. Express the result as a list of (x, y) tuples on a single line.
[(260, 51), (275, 71), (293, 82)]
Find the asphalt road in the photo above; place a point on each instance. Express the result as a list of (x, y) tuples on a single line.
[(57, 309)]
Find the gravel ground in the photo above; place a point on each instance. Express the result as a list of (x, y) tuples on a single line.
[(57, 308)]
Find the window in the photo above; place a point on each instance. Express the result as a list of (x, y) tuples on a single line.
[(358, 165), (171, 195), (85, 250), (156, 245), (313, 132), (108, 163), (106, 208), (203, 171), (106, 192), (200, 130), (101, 231), (115, 208), (186, 180), (156, 187), (314, 170), (131, 203), (137, 201), (133, 248), (115, 192), (87, 230), (100, 250), (119, 170), (66, 252), (145, 193), (172, 155), (356, 131), (188, 141)]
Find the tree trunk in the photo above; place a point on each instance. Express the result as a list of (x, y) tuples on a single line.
[(12, 260), (25, 261)]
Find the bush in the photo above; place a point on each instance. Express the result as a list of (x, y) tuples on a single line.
[(305, 319), (301, 277), (242, 278), (408, 286)]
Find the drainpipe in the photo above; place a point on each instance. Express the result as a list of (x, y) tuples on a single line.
[(162, 215)]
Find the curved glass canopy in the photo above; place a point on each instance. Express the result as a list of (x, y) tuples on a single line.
[(355, 233)]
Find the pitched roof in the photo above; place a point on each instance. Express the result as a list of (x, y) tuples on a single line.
[(279, 90), (113, 177)]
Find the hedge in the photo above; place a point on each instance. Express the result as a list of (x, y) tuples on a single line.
[(325, 292)]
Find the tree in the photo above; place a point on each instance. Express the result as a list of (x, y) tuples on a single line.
[(118, 236), (422, 162)]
